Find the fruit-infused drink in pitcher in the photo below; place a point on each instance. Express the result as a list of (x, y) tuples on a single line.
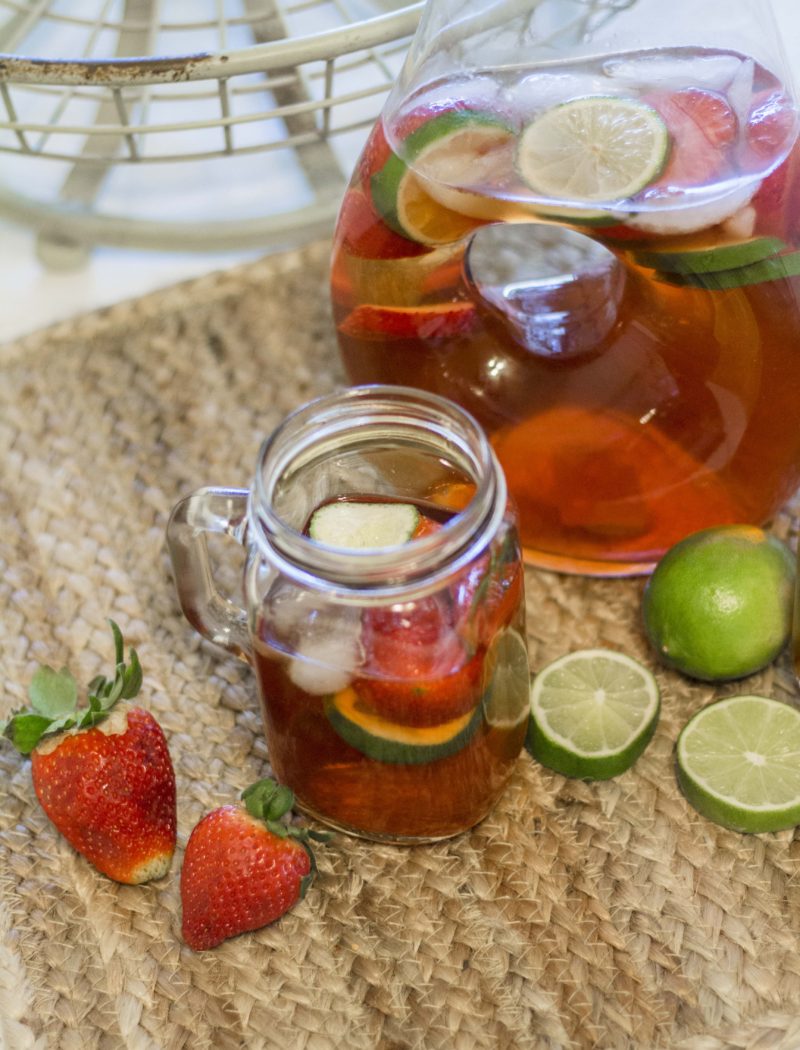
[(580, 219)]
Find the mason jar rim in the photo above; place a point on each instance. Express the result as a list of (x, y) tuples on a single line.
[(332, 416)]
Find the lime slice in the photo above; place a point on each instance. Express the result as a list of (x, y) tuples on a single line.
[(450, 149), (738, 763), (386, 741), (506, 697), (359, 526), (711, 259), (593, 712), (596, 148), (775, 268)]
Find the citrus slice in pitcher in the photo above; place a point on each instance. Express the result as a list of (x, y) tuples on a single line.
[(449, 149), (597, 148)]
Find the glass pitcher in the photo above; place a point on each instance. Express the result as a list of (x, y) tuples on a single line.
[(579, 219)]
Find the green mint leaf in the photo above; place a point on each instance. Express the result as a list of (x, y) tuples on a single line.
[(278, 829), (26, 730), (53, 693)]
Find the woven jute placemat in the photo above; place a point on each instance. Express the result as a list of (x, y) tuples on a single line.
[(577, 915)]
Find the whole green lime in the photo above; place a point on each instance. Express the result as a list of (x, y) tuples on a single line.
[(719, 603)]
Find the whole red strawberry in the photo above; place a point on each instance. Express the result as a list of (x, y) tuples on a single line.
[(104, 777), (243, 867)]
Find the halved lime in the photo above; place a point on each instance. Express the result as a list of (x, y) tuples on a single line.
[(448, 150), (359, 526), (738, 763), (596, 148), (593, 712), (506, 696)]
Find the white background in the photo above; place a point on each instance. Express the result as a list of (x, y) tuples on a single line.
[(32, 296)]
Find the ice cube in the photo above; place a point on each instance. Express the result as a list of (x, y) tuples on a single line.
[(698, 217), (323, 664), (670, 71), (541, 91)]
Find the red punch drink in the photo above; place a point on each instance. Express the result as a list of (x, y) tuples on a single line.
[(399, 719), (599, 259)]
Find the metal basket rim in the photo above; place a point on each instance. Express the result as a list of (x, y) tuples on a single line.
[(257, 58)]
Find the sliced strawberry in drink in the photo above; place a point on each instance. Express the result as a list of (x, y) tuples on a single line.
[(702, 128), (777, 203), (366, 235), (771, 122), (486, 599), (437, 321), (416, 670)]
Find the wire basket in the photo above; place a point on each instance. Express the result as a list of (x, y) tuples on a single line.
[(213, 125)]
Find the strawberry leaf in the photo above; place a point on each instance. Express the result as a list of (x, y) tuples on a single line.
[(53, 693), (119, 645), (26, 729), (132, 677), (54, 699)]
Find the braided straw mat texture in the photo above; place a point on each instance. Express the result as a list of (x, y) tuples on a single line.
[(577, 915)]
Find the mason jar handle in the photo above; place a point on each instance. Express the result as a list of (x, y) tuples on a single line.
[(214, 616)]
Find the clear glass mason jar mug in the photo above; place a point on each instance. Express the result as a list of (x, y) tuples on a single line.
[(393, 679)]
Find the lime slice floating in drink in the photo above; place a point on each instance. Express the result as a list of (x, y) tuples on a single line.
[(384, 740), (710, 259), (738, 763), (774, 268), (593, 712), (506, 697), (358, 526), (597, 148), (449, 149)]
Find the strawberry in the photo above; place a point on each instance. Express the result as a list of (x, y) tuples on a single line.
[(487, 597), (365, 233), (770, 123), (438, 321), (243, 867), (702, 127), (103, 777), (417, 670)]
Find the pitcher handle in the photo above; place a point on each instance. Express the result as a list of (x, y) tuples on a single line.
[(215, 617)]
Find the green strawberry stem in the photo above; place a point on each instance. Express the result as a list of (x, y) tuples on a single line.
[(270, 802), (54, 699)]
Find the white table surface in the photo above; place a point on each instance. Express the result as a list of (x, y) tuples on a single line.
[(32, 296)]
